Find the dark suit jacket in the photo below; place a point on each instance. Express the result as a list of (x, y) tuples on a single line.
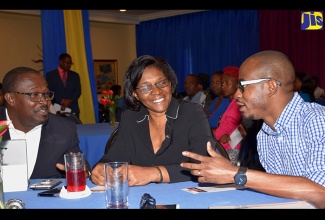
[(58, 136), (71, 91)]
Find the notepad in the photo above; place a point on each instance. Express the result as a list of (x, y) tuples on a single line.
[(15, 172)]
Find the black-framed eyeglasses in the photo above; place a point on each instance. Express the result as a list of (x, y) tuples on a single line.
[(148, 88), (37, 96), (241, 84)]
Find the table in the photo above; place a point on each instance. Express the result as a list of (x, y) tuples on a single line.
[(164, 193), (93, 138)]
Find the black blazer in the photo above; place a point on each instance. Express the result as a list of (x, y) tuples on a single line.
[(58, 136), (71, 91)]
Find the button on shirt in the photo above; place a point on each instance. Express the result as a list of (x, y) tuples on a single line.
[(297, 146)]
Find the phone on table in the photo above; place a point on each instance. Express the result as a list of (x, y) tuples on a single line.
[(50, 193), (45, 184)]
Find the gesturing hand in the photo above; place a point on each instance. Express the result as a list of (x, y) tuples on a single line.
[(212, 169)]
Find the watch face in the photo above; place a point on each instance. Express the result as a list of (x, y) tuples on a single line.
[(240, 179)]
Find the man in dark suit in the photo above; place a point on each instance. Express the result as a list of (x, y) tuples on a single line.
[(48, 136), (65, 83)]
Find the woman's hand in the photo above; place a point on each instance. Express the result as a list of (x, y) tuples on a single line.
[(139, 176)]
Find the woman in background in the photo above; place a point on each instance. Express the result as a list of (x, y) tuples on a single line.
[(231, 118)]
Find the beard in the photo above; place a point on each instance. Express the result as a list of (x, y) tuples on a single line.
[(247, 122)]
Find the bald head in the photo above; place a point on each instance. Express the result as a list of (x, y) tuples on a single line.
[(266, 99), (272, 64)]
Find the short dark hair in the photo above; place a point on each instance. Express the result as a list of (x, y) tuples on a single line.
[(196, 77), (63, 56), (10, 80), (135, 72)]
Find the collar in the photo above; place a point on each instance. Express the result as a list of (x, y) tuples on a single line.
[(285, 117), (61, 71), (172, 111), (12, 128)]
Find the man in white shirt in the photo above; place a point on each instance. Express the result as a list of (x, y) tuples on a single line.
[(48, 136)]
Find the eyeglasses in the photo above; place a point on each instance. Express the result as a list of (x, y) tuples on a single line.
[(242, 84), (148, 88), (37, 96)]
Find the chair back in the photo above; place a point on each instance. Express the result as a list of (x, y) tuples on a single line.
[(222, 150), (111, 140), (70, 117)]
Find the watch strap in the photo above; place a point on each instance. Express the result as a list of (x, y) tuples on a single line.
[(242, 170)]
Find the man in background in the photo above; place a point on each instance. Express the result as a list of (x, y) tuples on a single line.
[(194, 90), (66, 85)]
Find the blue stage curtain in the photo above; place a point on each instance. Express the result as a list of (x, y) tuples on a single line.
[(54, 38), (199, 42)]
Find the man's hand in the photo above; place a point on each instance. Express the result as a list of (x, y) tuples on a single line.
[(66, 103), (97, 175), (212, 169), (60, 166)]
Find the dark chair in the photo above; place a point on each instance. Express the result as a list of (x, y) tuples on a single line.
[(220, 148), (70, 117), (222, 151), (111, 140)]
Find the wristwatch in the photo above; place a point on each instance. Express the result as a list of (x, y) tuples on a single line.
[(240, 177)]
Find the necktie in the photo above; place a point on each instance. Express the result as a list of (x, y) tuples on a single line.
[(64, 77)]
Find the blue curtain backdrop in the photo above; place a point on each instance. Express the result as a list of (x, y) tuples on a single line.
[(200, 42), (54, 43)]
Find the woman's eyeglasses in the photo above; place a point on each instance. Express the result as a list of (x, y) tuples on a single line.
[(37, 96), (242, 84), (148, 88)]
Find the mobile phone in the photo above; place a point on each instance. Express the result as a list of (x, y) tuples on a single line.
[(50, 193), (45, 184)]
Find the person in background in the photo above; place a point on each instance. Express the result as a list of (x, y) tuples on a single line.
[(121, 106), (291, 142), (231, 118), (248, 155), (194, 92), (219, 104), (1, 95), (318, 91), (205, 78), (66, 85), (303, 86), (156, 128), (48, 136)]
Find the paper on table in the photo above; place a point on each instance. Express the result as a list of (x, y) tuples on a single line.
[(57, 108), (235, 138), (282, 205), (208, 189), (98, 189)]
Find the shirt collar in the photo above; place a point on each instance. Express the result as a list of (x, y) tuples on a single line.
[(172, 111), (285, 117)]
